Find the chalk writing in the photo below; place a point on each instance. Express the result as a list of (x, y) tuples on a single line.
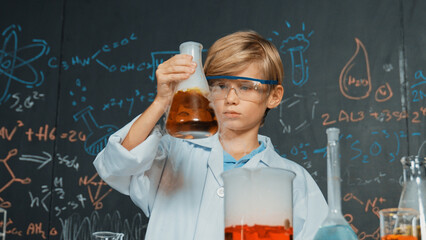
[(47, 158), (20, 104), (37, 201), (383, 93), (33, 229), (12, 230), (370, 206), (6, 134), (129, 101), (85, 61), (385, 115), (45, 133), (14, 60), (418, 94), (97, 186), (72, 204), (58, 192)]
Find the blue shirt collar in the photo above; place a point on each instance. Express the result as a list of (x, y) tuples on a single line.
[(230, 162)]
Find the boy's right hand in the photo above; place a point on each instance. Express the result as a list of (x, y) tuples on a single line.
[(171, 72)]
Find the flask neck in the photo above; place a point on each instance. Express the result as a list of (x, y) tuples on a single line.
[(333, 178), (197, 80), (192, 48), (413, 169)]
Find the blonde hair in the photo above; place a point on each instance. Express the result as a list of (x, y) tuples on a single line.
[(234, 52)]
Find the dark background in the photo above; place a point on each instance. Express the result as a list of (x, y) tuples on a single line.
[(71, 72)]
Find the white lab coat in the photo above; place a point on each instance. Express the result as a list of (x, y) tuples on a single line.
[(177, 184)]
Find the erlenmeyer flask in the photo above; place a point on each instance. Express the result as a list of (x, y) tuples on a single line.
[(190, 114), (334, 227), (413, 193)]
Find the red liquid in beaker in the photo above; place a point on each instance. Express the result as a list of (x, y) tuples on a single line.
[(258, 232)]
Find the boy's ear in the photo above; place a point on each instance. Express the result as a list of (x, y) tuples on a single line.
[(275, 97)]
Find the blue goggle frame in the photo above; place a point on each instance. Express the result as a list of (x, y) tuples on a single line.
[(272, 82)]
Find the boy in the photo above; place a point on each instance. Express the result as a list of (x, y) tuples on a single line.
[(177, 182)]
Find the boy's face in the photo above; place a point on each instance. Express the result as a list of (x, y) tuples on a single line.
[(240, 111)]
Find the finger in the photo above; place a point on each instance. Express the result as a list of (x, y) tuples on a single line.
[(180, 60), (176, 77), (176, 69)]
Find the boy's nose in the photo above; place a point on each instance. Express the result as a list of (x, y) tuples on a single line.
[(232, 96)]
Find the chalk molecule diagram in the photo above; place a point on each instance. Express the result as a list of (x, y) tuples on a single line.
[(15, 61), (8, 171)]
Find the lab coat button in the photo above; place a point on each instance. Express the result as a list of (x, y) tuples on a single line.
[(220, 192)]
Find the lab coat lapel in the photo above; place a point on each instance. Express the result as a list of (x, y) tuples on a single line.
[(210, 223), (263, 157), (215, 162)]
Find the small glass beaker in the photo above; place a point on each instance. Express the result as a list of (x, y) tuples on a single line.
[(398, 224), (413, 194), (3, 220), (105, 235), (258, 203), (190, 114)]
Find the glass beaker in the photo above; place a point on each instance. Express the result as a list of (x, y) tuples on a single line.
[(334, 227), (258, 203), (398, 224), (413, 193), (3, 220), (105, 235), (190, 115)]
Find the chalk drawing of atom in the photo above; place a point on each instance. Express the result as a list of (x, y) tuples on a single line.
[(15, 61)]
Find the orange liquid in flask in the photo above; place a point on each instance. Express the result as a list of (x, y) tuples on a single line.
[(190, 116)]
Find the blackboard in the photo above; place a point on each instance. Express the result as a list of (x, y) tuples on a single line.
[(72, 72)]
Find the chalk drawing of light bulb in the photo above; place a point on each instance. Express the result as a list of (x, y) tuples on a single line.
[(295, 46), (15, 62), (97, 138)]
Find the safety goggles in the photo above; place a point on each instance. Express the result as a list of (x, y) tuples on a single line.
[(248, 89)]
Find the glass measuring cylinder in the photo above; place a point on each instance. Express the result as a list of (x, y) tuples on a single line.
[(190, 114), (258, 204), (413, 193), (334, 227), (105, 235)]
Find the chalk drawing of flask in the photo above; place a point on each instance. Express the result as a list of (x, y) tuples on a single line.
[(97, 137), (295, 46)]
